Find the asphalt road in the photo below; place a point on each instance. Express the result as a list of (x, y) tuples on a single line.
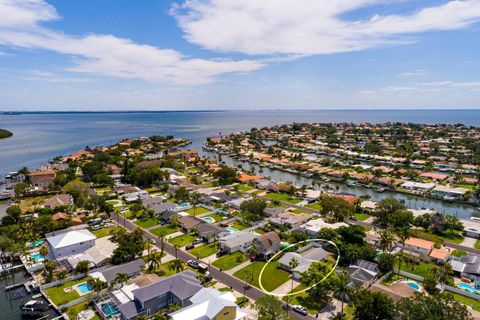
[(231, 281)]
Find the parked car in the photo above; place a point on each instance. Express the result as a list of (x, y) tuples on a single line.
[(221, 253), (197, 241), (190, 247), (202, 267), (300, 309), (192, 263)]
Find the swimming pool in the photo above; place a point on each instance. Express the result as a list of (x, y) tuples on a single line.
[(413, 285), (37, 257), (183, 205), (468, 287), (284, 244), (109, 309), (231, 229), (36, 243), (208, 219), (84, 287)]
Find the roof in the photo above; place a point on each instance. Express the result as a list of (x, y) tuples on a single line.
[(439, 254), (448, 189), (108, 274), (368, 266), (207, 229), (60, 216), (70, 238), (58, 200), (189, 222), (420, 243), (245, 177), (268, 239), (237, 239), (42, 173), (183, 285)]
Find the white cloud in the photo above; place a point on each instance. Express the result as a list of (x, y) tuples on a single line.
[(415, 73), (310, 27), (107, 54)]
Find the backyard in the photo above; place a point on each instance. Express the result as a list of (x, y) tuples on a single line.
[(58, 295), (230, 261), (73, 311), (197, 211), (284, 197), (272, 277), (205, 250), (182, 240), (239, 225)]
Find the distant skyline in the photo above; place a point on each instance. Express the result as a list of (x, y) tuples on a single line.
[(99, 55)]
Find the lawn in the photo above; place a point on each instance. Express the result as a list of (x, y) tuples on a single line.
[(474, 304), (198, 210), (147, 223), (477, 244), (244, 187), (59, 296), (73, 311), (283, 197), (422, 269), (164, 270), (455, 238), (217, 217), (298, 211), (315, 206), (205, 250), (272, 277), (259, 231), (182, 240), (466, 186), (104, 232), (29, 203), (361, 216), (239, 225), (230, 261), (304, 300), (165, 230), (127, 214)]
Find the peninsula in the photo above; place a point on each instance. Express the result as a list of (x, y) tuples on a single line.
[(5, 134)]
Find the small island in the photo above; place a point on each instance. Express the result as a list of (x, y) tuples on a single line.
[(5, 134)]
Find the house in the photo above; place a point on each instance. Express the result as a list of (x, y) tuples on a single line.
[(312, 195), (97, 255), (70, 242), (419, 245), (439, 255), (274, 211), (363, 273), (388, 181), (313, 226), (63, 217), (305, 256), (368, 206), (418, 186), (188, 223), (467, 266), (12, 178), (263, 184), (247, 178), (267, 244), (433, 176), (290, 219), (236, 203), (210, 232), (58, 200), (149, 299), (239, 241), (108, 274), (210, 304), (159, 207), (42, 179), (449, 192)]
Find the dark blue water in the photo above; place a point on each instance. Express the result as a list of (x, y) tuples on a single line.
[(40, 137)]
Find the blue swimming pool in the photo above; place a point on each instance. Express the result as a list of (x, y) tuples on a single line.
[(36, 243), (109, 309), (231, 229), (468, 287), (182, 205), (37, 257), (84, 287), (208, 219), (414, 285)]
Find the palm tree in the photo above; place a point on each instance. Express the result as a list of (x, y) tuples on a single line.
[(194, 200), (387, 240), (253, 252), (341, 287), (121, 278), (176, 265), (293, 263), (154, 260), (97, 285), (44, 251), (403, 234)]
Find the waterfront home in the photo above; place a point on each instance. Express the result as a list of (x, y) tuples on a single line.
[(267, 244), (238, 241), (150, 299), (109, 274), (97, 255), (419, 245), (248, 178), (59, 200), (388, 181), (290, 219), (363, 273), (41, 179), (433, 176), (211, 232), (312, 195), (313, 226), (420, 187), (12, 178), (368, 206), (263, 184), (210, 304), (281, 187), (305, 256), (449, 192), (70, 242)]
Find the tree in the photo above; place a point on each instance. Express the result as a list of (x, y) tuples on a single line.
[(154, 260), (385, 209), (43, 251), (97, 285), (342, 289), (82, 266), (226, 175), (387, 239), (336, 207), (386, 262), (121, 278), (13, 216), (194, 200), (254, 209), (373, 305), (176, 264), (130, 246), (21, 189), (269, 308), (315, 277), (438, 307), (293, 263), (182, 195)]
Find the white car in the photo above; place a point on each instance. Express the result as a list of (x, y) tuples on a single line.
[(300, 309)]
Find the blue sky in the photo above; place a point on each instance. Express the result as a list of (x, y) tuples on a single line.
[(249, 54)]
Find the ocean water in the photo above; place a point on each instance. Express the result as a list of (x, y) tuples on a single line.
[(40, 137)]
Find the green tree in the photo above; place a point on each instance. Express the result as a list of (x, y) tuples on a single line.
[(387, 239), (373, 305), (82, 266), (226, 175), (269, 308), (254, 209), (434, 307), (386, 262), (13, 216), (130, 246), (182, 195), (336, 207)]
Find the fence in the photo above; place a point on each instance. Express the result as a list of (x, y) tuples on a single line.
[(58, 282)]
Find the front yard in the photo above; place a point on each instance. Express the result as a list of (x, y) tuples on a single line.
[(284, 197), (147, 223), (204, 251), (304, 300), (239, 225), (272, 277), (104, 232), (165, 230), (182, 240), (230, 261)]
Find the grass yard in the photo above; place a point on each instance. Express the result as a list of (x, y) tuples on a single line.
[(32, 203), (73, 311), (198, 210), (164, 270), (391, 279), (361, 216), (230, 261), (182, 240), (474, 304), (239, 225), (127, 214), (284, 197), (304, 300), (455, 238), (59, 296), (272, 277), (104, 232), (244, 187), (165, 230), (422, 269), (315, 206), (465, 186), (205, 250), (147, 223), (477, 244), (259, 231), (298, 211), (217, 217), (103, 190)]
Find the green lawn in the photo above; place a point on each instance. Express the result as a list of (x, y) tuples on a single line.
[(230, 261), (315, 206), (465, 186), (474, 304), (477, 244), (205, 250), (422, 269), (73, 311), (127, 214), (284, 197), (216, 216), (198, 210), (259, 231), (361, 216), (147, 223), (298, 211), (244, 187), (239, 225), (182, 240), (272, 277), (456, 238), (164, 270), (304, 300), (104, 231), (165, 230), (59, 296)]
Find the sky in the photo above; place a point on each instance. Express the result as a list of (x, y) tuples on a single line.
[(239, 54)]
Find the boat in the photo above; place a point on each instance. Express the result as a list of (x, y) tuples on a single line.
[(351, 183), (381, 190), (33, 307)]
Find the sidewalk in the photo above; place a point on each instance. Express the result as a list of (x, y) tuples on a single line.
[(240, 266), (286, 287)]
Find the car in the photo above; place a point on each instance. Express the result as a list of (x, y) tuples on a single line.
[(300, 309), (197, 241), (221, 253), (202, 267), (97, 227), (192, 263), (190, 247), (207, 278)]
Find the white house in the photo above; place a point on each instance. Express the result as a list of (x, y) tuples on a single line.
[(418, 186), (239, 241), (70, 242)]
